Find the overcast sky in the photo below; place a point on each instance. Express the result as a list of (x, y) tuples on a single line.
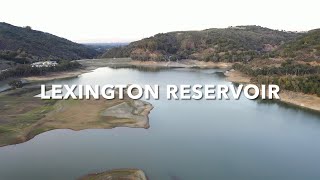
[(128, 20)]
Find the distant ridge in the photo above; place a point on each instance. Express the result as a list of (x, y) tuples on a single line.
[(236, 43), (22, 44)]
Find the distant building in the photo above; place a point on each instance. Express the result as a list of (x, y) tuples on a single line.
[(1, 71), (44, 64)]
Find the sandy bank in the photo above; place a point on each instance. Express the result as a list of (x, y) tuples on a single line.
[(295, 98), (117, 174), (56, 75), (303, 100), (236, 76)]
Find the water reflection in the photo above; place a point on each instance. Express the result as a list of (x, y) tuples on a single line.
[(291, 107), (141, 68)]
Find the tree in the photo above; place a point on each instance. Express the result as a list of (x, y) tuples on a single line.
[(28, 27), (15, 84)]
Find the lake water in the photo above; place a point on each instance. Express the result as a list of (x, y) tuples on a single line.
[(187, 140)]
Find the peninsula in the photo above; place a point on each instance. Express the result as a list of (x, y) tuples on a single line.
[(23, 116)]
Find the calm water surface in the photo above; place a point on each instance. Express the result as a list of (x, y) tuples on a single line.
[(187, 140)]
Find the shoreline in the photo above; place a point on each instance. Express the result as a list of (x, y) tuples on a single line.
[(56, 75), (126, 173), (311, 102), (60, 115), (89, 65), (187, 63)]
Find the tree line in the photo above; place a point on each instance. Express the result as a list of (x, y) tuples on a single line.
[(309, 84), (22, 70), (290, 76), (286, 68)]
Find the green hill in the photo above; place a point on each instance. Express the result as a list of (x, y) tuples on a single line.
[(240, 43), (295, 68), (23, 45), (305, 47)]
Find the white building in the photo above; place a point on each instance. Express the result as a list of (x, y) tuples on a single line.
[(44, 64)]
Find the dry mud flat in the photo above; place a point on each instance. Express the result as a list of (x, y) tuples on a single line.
[(117, 174), (98, 113), (23, 116)]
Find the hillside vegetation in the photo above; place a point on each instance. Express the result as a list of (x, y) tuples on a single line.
[(289, 59), (240, 43), (306, 46), (295, 68), (289, 75), (24, 45)]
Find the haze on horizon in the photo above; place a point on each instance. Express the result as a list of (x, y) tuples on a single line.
[(127, 20)]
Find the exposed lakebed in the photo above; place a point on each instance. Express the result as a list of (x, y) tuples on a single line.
[(187, 139)]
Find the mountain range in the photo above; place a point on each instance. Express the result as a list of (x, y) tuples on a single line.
[(232, 44)]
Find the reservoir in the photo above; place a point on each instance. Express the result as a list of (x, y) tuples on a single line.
[(187, 139)]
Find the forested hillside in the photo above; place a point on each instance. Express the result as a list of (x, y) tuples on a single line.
[(240, 43), (289, 59), (296, 66), (24, 45), (306, 46)]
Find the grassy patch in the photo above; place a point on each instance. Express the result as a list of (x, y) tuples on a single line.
[(4, 130), (19, 111), (35, 114)]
